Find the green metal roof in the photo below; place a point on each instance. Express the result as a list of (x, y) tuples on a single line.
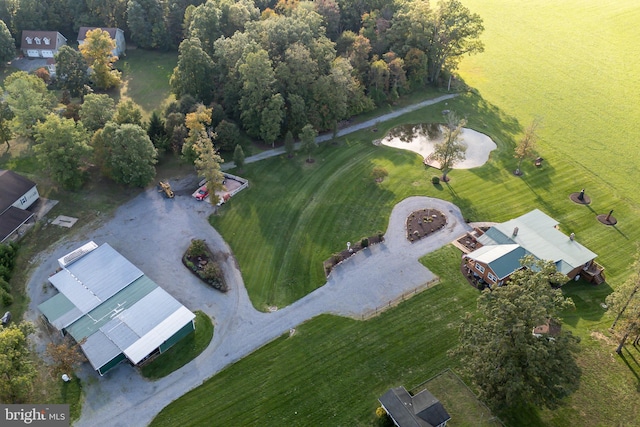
[(56, 307), (102, 314)]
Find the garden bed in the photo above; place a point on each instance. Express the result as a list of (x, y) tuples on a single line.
[(338, 257), (200, 261), (424, 222)]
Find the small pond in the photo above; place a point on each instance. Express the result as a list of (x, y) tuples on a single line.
[(423, 137)]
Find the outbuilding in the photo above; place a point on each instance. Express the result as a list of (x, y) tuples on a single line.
[(112, 309), (17, 194)]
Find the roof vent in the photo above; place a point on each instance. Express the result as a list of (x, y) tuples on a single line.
[(572, 236), (515, 231)]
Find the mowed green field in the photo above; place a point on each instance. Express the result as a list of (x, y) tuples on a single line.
[(574, 63)]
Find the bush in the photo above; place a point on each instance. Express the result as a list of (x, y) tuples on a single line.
[(211, 271), (435, 180), (197, 248), (365, 242), (7, 298), (191, 265)]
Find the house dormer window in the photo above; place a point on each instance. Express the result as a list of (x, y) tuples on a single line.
[(46, 40), (29, 40), (37, 40)]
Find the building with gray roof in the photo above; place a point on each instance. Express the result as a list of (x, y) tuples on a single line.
[(17, 194), (534, 233), (112, 309), (421, 410)]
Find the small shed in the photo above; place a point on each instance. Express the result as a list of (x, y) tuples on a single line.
[(115, 33), (421, 410), (17, 194), (41, 44)]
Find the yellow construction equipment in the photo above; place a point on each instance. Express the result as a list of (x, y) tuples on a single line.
[(164, 186)]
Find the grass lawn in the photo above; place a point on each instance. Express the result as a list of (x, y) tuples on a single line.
[(332, 370), (183, 352), (146, 78)]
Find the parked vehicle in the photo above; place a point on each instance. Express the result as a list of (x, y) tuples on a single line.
[(166, 187), (6, 318), (201, 193)]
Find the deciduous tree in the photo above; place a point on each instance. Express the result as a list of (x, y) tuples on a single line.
[(16, 368), (196, 123), (128, 111), (7, 45), (455, 33), (193, 75), (271, 120), (451, 150), (29, 99), (96, 111), (66, 357), (624, 303), (509, 364), (71, 69), (289, 147), (308, 142), (97, 51), (125, 153), (63, 150), (6, 115), (527, 145), (227, 135), (146, 21), (208, 164)]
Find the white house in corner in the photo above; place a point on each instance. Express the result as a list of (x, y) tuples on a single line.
[(41, 44), (116, 34)]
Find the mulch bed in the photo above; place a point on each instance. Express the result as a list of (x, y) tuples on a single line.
[(607, 219), (423, 223), (337, 258), (197, 265), (575, 198)]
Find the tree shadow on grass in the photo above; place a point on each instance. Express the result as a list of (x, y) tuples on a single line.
[(588, 300), (631, 361)]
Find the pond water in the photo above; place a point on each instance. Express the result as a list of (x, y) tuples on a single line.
[(422, 139)]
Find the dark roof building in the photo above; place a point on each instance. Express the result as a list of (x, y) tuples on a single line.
[(112, 309), (17, 194), (41, 44), (421, 410)]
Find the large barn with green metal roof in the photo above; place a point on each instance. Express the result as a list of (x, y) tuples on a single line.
[(112, 309)]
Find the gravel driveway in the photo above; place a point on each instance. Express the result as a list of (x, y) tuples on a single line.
[(153, 232)]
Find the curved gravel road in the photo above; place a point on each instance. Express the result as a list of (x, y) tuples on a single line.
[(140, 230)]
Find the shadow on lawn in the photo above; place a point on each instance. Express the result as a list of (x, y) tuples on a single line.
[(588, 300), (631, 361)]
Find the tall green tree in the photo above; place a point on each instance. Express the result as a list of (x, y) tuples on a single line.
[(238, 157), (271, 120), (451, 150), (71, 69), (289, 146), (624, 303), (308, 142), (7, 45), (29, 99), (157, 132), (97, 51), (227, 135), (207, 165), (6, 115), (258, 79), (16, 367), (511, 366), (63, 149), (193, 75), (455, 33), (147, 23), (128, 111), (125, 154), (527, 145), (96, 111)]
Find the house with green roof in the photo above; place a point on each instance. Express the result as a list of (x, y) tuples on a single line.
[(114, 311), (501, 247)]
